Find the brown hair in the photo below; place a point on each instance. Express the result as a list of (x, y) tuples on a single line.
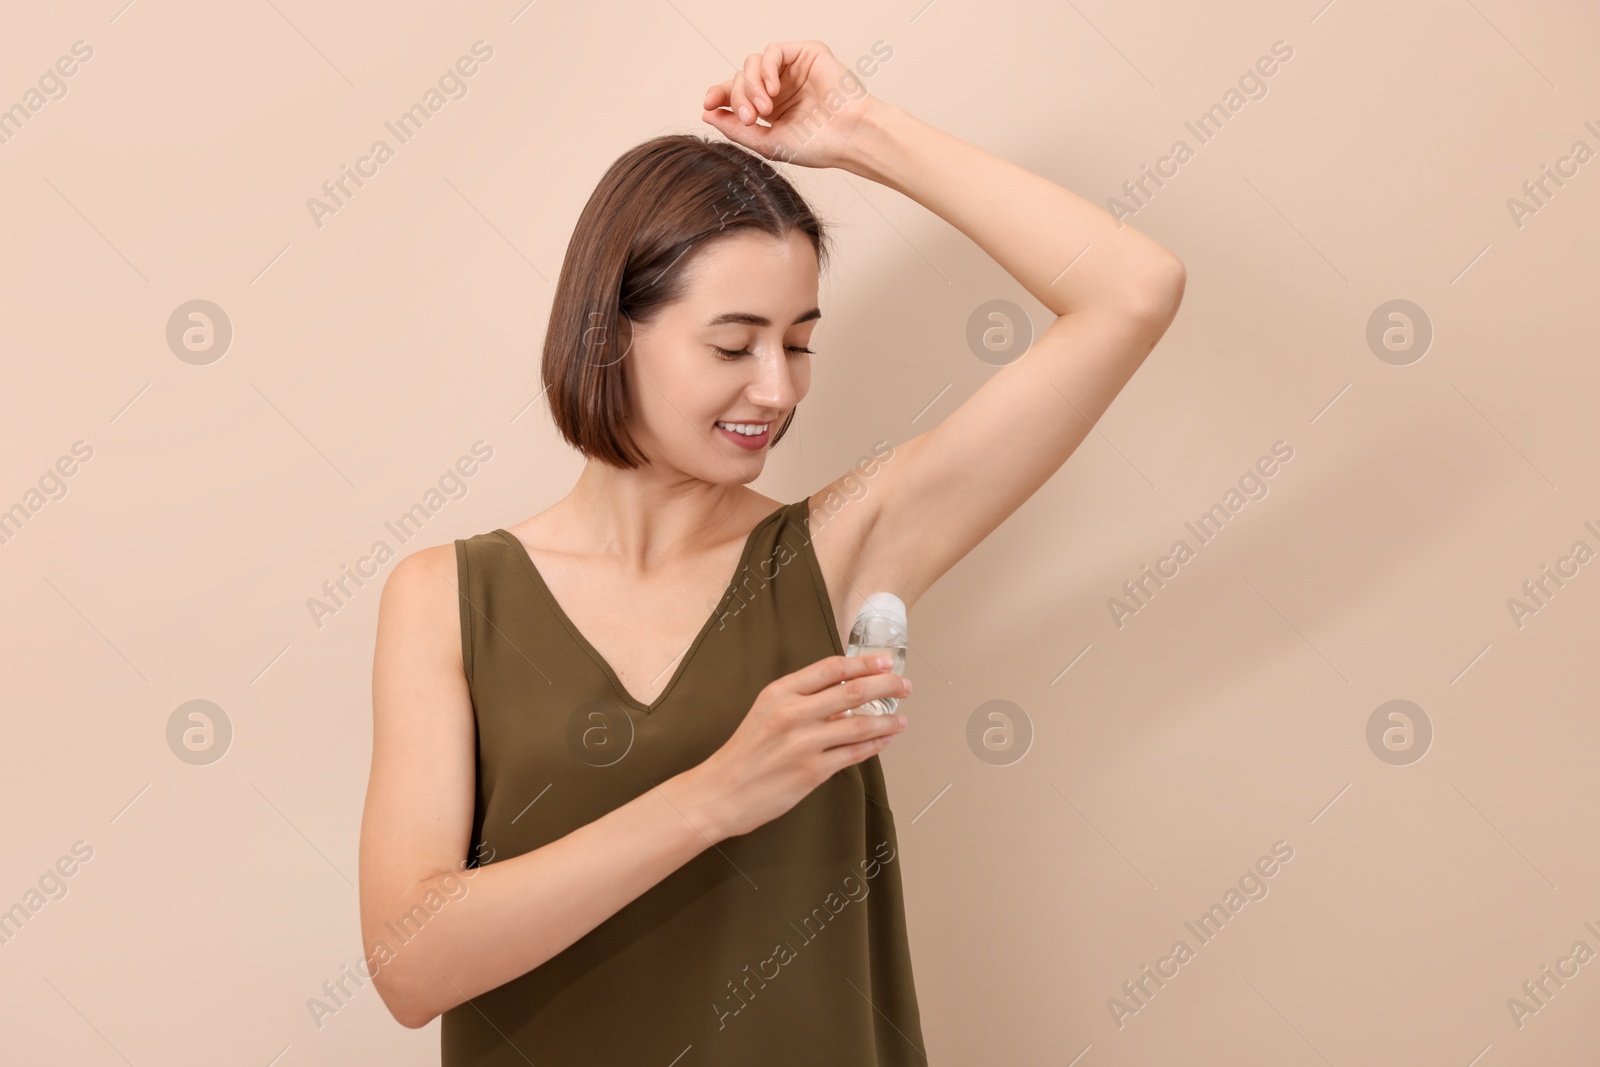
[(657, 204)]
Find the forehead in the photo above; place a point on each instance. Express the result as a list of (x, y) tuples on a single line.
[(747, 267)]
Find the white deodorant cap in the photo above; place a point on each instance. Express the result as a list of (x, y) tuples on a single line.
[(886, 604)]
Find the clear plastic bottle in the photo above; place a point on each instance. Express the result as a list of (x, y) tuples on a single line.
[(880, 630)]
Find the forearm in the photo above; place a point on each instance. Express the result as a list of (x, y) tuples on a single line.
[(519, 913), (1031, 226)]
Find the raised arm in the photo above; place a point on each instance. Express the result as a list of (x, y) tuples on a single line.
[(1112, 289)]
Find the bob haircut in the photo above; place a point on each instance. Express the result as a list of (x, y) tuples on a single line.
[(660, 202)]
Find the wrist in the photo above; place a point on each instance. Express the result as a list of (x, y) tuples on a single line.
[(875, 146), (699, 803)]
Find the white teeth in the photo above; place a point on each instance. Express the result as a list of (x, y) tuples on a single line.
[(749, 429)]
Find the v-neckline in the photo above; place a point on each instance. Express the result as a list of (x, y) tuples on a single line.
[(594, 653)]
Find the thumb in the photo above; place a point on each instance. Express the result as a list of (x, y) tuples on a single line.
[(755, 137)]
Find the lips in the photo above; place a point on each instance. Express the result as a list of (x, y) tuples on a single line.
[(750, 442)]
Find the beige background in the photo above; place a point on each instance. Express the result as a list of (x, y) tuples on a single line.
[(1228, 715)]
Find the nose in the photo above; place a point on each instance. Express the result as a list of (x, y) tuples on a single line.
[(774, 386)]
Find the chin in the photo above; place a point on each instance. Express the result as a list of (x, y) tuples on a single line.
[(750, 469)]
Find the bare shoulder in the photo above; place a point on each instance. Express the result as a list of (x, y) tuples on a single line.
[(418, 611)]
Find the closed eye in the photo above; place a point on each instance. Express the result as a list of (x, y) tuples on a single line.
[(730, 354)]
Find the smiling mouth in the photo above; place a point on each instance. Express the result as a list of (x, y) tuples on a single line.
[(740, 434), (751, 429)]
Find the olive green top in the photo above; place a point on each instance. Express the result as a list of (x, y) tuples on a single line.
[(785, 945)]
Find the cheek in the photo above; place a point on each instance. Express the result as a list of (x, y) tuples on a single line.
[(652, 380), (677, 397)]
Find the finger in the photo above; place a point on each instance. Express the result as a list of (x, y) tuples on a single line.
[(901, 694), (772, 69), (740, 100), (788, 53), (837, 759), (754, 137), (854, 693), (718, 96), (830, 671), (849, 713), (755, 85), (728, 124), (858, 728)]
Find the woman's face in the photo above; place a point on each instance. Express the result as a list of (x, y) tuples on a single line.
[(755, 298)]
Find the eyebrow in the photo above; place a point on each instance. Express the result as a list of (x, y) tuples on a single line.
[(746, 318)]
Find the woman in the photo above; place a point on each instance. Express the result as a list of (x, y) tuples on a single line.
[(602, 827)]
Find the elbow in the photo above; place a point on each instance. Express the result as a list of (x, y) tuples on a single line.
[(415, 1020), (403, 1000), (1155, 299)]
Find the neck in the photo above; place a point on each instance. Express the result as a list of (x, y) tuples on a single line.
[(640, 517)]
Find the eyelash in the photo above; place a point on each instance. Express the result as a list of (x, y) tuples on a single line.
[(729, 354)]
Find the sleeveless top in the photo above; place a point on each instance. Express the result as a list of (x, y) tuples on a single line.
[(785, 945)]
